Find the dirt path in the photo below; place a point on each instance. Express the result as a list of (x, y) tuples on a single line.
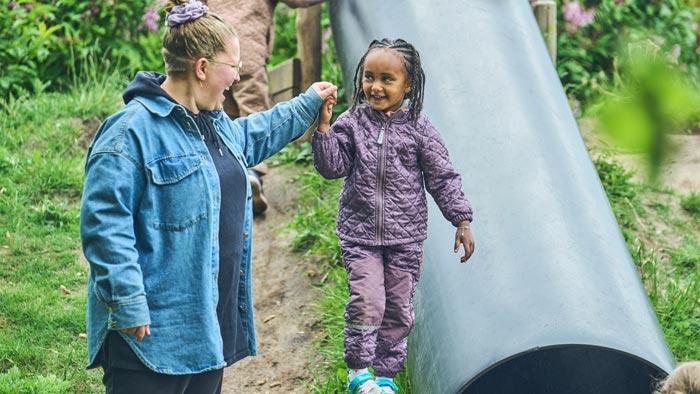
[(283, 295), (681, 172)]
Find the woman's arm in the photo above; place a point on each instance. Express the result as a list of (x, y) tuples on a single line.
[(266, 133)]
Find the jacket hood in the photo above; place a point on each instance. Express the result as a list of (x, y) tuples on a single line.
[(146, 83)]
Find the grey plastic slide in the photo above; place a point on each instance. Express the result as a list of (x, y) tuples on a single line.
[(551, 301)]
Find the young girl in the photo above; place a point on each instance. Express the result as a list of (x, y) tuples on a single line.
[(386, 152)]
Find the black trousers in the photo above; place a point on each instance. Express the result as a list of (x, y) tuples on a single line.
[(125, 374), (125, 381)]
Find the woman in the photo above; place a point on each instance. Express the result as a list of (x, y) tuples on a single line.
[(166, 214)]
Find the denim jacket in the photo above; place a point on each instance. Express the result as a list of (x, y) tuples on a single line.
[(149, 226)]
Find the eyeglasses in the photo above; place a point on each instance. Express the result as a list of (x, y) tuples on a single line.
[(236, 68)]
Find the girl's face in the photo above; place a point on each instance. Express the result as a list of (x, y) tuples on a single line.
[(384, 81)]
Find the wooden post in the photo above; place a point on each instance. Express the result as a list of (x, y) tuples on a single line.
[(284, 80), (309, 44), (546, 15), (309, 51)]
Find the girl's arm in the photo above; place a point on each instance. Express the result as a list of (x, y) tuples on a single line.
[(266, 133), (445, 185), (333, 149), (441, 180)]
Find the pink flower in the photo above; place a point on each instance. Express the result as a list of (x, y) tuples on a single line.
[(150, 19), (576, 16)]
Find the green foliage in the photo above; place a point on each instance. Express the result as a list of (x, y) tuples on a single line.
[(691, 203), (42, 280), (622, 193), (675, 290), (14, 382), (285, 37), (314, 222), (686, 258), (652, 100), (586, 56), (44, 44), (299, 153)]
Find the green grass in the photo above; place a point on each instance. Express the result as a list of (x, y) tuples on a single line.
[(691, 203), (42, 280), (669, 273)]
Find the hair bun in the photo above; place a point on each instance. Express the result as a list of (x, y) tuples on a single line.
[(186, 12)]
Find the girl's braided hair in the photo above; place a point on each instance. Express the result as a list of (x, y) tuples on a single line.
[(414, 72)]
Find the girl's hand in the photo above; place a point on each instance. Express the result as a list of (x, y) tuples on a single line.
[(139, 332), (463, 236), (326, 112)]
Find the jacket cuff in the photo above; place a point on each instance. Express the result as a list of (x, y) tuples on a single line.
[(129, 313), (310, 104), (323, 136), (459, 218)]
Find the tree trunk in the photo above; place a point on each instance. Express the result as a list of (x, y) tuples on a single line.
[(309, 50)]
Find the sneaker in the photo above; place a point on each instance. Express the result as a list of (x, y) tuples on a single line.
[(364, 384), (387, 384), (259, 200)]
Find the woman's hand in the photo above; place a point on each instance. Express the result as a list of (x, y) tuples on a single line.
[(139, 332), (324, 89), (463, 236)]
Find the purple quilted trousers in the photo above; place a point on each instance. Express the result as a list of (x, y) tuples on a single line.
[(379, 312)]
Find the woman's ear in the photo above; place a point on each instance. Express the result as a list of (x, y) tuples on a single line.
[(407, 87), (200, 68)]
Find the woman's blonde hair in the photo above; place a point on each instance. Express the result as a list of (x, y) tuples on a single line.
[(186, 42), (685, 379)]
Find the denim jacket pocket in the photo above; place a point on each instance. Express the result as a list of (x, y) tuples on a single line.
[(177, 182), (171, 169)]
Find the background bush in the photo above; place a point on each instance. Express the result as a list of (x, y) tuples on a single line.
[(42, 44), (587, 49)]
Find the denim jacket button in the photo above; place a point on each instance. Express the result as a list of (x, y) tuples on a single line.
[(242, 274)]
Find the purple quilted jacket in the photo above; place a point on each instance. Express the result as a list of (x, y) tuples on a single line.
[(385, 161)]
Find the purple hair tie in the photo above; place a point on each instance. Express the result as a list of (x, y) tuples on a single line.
[(183, 13)]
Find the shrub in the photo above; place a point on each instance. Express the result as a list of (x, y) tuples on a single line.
[(44, 43), (589, 31)]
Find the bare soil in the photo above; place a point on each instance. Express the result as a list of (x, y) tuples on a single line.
[(283, 301), (679, 174)]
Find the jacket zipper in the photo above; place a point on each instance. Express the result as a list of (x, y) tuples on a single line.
[(380, 183)]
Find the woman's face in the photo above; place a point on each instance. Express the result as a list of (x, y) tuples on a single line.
[(222, 71)]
